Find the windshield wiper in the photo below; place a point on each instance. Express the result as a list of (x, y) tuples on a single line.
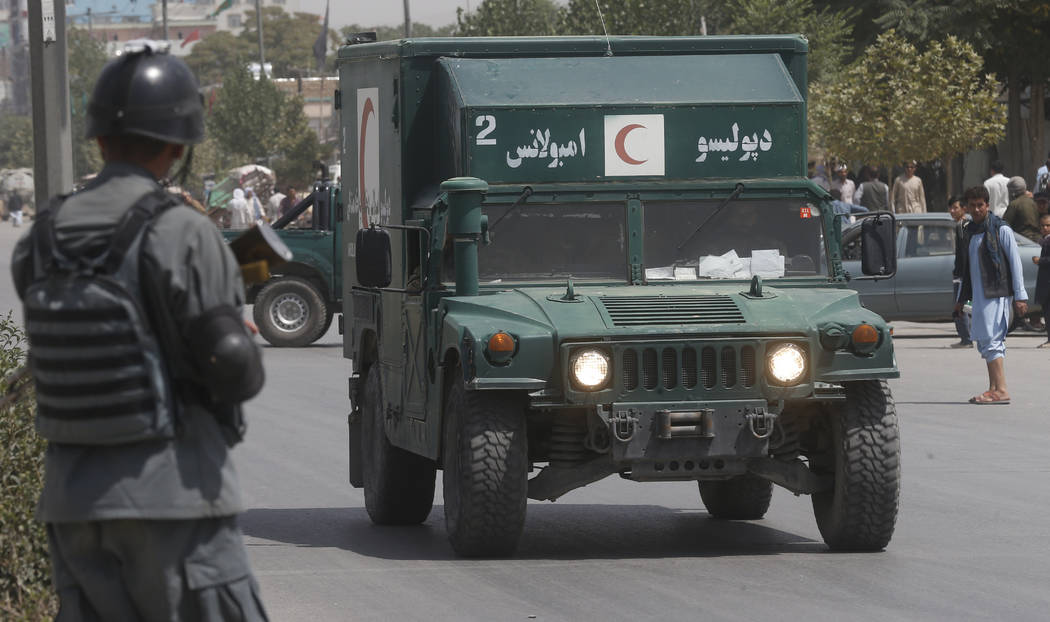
[(526, 192), (739, 189)]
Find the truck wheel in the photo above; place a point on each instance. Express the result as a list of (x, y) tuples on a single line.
[(290, 312), (859, 513), (486, 471), (741, 498), (399, 485)]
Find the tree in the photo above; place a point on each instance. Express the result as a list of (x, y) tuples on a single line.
[(1011, 36), (495, 18), (216, 54), (896, 103), (86, 57), (829, 31), (642, 17), (288, 40), (16, 141), (254, 119), (388, 33)]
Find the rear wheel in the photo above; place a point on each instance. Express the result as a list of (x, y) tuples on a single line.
[(290, 312), (860, 511), (742, 498), (399, 485), (486, 470)]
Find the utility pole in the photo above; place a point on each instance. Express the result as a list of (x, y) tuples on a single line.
[(52, 144), (408, 22), (164, 17), (258, 26)]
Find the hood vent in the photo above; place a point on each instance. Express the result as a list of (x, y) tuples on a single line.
[(671, 310)]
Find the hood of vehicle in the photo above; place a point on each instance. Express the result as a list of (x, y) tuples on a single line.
[(621, 311)]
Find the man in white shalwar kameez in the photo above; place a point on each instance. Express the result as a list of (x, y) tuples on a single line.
[(993, 280)]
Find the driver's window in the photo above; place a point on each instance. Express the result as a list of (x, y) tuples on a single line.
[(929, 240)]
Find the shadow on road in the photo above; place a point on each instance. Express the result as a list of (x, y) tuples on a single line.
[(559, 532)]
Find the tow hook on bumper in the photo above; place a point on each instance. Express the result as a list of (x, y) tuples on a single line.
[(760, 422), (623, 425)]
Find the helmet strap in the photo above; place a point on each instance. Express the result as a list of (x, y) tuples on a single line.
[(183, 172)]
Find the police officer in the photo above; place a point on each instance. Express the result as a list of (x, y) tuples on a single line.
[(147, 530)]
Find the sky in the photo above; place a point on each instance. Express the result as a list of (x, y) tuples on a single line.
[(389, 12)]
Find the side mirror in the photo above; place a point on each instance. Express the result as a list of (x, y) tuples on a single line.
[(878, 245), (373, 257)]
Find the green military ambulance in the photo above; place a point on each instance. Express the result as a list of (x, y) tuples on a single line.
[(569, 258)]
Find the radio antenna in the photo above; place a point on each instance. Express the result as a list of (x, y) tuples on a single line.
[(608, 46)]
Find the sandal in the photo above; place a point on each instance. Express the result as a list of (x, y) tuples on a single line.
[(989, 398)]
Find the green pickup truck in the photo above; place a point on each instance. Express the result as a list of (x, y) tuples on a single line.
[(296, 306), (569, 258)]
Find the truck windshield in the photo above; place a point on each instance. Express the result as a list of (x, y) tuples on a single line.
[(538, 241), (771, 238)]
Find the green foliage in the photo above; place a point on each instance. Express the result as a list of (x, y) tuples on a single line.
[(16, 141), (388, 33), (217, 54), (829, 31), (25, 575), (641, 17), (896, 103), (254, 119), (494, 18), (288, 40), (86, 57)]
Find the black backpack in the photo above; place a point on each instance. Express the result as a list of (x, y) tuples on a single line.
[(99, 368)]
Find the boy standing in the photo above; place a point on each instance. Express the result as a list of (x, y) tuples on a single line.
[(1042, 280)]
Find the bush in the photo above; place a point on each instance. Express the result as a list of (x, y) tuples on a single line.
[(25, 573)]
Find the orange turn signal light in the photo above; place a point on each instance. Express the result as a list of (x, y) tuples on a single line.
[(501, 342), (865, 334)]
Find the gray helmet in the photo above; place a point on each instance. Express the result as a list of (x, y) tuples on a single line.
[(147, 92)]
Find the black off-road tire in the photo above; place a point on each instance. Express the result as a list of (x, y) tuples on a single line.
[(290, 312), (486, 470), (399, 485), (860, 512), (742, 498)]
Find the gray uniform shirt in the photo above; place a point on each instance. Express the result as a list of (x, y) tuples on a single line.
[(191, 476)]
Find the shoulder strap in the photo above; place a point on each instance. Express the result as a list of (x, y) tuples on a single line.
[(134, 222), (45, 247)]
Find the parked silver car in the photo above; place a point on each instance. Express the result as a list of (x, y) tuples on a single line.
[(921, 291)]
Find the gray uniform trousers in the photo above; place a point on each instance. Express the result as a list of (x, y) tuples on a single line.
[(196, 570)]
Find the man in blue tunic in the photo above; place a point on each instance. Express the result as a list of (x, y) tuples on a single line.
[(993, 280)]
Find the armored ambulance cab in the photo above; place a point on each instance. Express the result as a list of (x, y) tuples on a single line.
[(569, 259)]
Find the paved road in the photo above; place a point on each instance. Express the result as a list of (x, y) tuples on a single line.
[(971, 540)]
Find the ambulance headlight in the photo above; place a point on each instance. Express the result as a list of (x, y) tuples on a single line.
[(590, 369), (787, 363)]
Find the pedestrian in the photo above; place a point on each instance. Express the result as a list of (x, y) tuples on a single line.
[(1042, 202), (844, 184), (873, 193), (239, 211), (908, 196), (273, 206), (254, 206), (14, 206), (993, 280), (844, 208), (961, 218), (139, 400), (1022, 214), (1042, 279), (1042, 177), (997, 190), (289, 201)]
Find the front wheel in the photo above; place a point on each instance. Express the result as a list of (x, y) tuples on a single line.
[(486, 470), (399, 485), (290, 312), (860, 511)]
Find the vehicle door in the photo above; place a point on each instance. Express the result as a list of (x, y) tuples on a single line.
[(924, 270)]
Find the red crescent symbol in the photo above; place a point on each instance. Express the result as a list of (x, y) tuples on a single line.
[(621, 150), (369, 109)]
